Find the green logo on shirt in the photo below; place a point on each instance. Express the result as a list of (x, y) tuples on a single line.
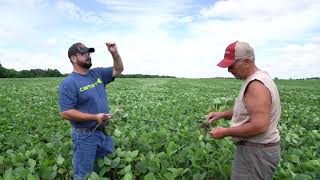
[(91, 85)]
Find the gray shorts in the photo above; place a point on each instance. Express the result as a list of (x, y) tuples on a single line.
[(255, 162)]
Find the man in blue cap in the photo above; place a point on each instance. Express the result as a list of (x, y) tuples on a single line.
[(83, 101)]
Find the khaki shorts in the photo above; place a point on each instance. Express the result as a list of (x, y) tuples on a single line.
[(255, 162)]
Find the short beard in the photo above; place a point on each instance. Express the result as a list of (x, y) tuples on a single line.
[(85, 64)]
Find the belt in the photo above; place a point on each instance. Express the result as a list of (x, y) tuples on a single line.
[(252, 144), (85, 129)]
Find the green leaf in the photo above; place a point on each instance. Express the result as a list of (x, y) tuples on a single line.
[(117, 133), (60, 159), (293, 158), (61, 170), (201, 137), (128, 176), (32, 163), (1, 160), (134, 154), (100, 162), (107, 161), (199, 176), (140, 167), (102, 171), (121, 154), (311, 165), (178, 171), (126, 170), (27, 153), (115, 162), (217, 101), (295, 136), (8, 175), (149, 176), (31, 177), (170, 176), (93, 176), (302, 177), (21, 172)]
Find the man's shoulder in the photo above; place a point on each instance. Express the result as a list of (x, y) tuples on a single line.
[(263, 75), (257, 88), (99, 69), (255, 84), (69, 80)]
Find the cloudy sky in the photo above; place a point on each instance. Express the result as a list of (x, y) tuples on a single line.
[(182, 38)]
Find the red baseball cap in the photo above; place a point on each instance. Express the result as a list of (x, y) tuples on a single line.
[(236, 51)]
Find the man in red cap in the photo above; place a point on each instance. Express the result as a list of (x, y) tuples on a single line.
[(254, 117)]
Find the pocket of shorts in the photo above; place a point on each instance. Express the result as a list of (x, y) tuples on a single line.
[(83, 134), (271, 154), (108, 144)]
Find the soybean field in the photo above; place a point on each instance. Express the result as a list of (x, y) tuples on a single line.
[(157, 127)]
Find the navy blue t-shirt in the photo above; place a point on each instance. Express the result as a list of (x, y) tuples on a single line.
[(86, 93)]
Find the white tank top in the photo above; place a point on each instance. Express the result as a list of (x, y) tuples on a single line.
[(241, 115)]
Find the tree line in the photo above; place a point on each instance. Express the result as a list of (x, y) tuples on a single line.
[(143, 76), (11, 73), (32, 73)]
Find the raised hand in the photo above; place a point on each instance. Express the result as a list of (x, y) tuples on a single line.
[(112, 47)]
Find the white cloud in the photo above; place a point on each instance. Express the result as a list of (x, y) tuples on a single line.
[(21, 19), (154, 7), (262, 9), (166, 37), (69, 8), (266, 27), (21, 60), (51, 42), (294, 61), (186, 19), (315, 38)]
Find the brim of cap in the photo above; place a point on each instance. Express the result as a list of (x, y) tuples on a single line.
[(86, 50), (224, 63), (91, 50)]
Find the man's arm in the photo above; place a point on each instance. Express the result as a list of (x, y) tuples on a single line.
[(258, 102), (117, 61), (227, 114), (73, 114), (214, 116), (117, 64)]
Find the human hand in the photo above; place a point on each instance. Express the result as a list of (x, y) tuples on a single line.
[(112, 47), (218, 132), (213, 116), (101, 117)]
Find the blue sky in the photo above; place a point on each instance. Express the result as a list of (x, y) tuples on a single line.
[(183, 38)]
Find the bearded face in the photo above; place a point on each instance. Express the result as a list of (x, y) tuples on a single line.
[(84, 60)]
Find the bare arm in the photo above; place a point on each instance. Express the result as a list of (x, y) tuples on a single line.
[(215, 116), (117, 64), (258, 101), (117, 61), (74, 114), (227, 114)]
